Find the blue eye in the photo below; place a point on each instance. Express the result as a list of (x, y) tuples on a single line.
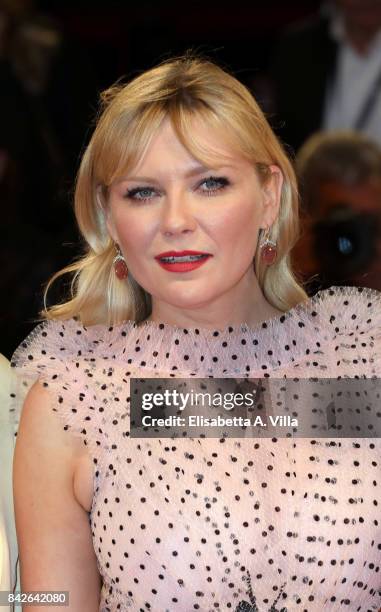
[(140, 193), (208, 186), (213, 184)]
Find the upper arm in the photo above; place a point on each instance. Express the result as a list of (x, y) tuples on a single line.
[(53, 530)]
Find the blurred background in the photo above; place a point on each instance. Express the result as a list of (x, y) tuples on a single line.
[(313, 66)]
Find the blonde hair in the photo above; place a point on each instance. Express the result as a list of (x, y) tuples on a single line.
[(179, 89)]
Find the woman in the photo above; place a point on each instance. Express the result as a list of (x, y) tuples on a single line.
[(182, 160), (8, 544)]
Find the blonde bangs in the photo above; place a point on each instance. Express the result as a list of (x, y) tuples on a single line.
[(128, 138), (223, 122)]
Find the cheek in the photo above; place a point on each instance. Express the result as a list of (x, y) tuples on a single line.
[(239, 225), (132, 229)]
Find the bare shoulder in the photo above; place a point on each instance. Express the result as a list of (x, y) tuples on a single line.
[(41, 428), (53, 531)]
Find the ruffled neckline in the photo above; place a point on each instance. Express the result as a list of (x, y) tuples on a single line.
[(241, 350), (232, 329)]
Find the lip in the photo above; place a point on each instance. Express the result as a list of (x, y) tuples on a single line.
[(180, 253), (185, 266)]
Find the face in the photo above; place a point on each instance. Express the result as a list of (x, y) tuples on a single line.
[(170, 202)]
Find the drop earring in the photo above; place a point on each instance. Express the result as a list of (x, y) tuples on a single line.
[(119, 263), (269, 249)]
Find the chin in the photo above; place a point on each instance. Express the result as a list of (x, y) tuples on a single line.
[(187, 302)]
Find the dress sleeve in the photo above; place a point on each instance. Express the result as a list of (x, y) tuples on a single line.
[(353, 316), (54, 355), (376, 351), (367, 327)]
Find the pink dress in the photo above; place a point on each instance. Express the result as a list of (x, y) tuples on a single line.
[(184, 524)]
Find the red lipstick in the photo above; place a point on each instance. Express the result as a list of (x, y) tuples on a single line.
[(182, 261)]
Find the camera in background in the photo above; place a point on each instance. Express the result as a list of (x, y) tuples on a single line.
[(340, 186)]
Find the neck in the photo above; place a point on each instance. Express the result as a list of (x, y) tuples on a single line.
[(244, 303)]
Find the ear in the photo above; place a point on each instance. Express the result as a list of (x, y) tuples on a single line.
[(272, 190), (106, 211)]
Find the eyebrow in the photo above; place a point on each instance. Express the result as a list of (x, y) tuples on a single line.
[(192, 172)]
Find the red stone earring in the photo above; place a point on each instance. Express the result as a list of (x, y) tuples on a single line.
[(268, 249), (120, 266)]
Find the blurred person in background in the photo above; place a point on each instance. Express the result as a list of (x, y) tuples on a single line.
[(340, 184), (47, 89), (327, 72)]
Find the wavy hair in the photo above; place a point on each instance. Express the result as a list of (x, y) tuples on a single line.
[(180, 89)]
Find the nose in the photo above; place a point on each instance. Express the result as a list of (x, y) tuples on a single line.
[(177, 216)]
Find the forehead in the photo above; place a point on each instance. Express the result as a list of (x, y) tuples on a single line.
[(199, 144)]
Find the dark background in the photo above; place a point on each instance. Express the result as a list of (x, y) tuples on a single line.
[(125, 38)]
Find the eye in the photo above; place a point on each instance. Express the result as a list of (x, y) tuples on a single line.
[(212, 184), (140, 193)]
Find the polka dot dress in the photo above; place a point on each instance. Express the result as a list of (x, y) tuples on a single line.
[(217, 524)]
